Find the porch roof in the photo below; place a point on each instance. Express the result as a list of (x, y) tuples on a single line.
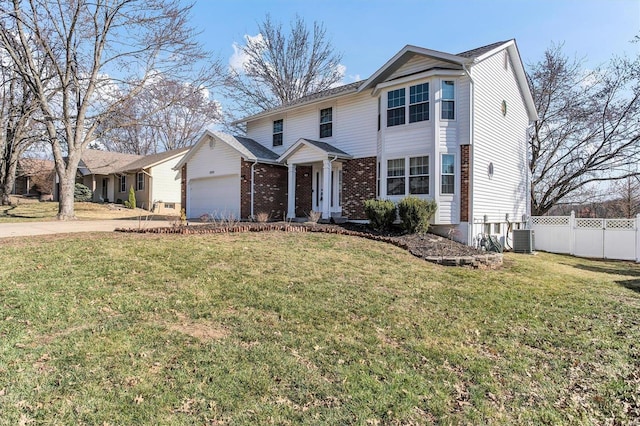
[(323, 149)]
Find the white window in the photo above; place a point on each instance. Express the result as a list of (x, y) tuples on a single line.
[(419, 103), (278, 126), (123, 183), (140, 181), (416, 168), (447, 104), (395, 107), (447, 175), (419, 175), (326, 123), (395, 177)]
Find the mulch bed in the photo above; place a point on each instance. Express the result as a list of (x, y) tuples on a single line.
[(430, 247)]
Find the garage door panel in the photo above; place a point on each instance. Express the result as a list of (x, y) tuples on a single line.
[(217, 196)]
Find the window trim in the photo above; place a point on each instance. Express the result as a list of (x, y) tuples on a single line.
[(327, 124), (428, 175), (279, 135), (423, 102), (406, 176), (443, 174), (123, 183), (139, 183), (443, 100), (400, 106)]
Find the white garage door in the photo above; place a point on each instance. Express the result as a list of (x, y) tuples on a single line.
[(219, 196)]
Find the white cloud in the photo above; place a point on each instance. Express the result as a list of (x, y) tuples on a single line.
[(238, 60)]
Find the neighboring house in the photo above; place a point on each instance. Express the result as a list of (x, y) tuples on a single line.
[(34, 177), (110, 175), (452, 128)]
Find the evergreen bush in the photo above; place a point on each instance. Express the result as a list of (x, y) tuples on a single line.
[(82, 193), (381, 213), (415, 213), (131, 203)]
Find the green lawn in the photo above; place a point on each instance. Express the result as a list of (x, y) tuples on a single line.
[(275, 328), (30, 210)]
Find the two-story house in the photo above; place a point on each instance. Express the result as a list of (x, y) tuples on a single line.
[(447, 127)]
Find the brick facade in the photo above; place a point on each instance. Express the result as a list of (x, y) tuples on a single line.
[(465, 169), (270, 190), (304, 190), (358, 185)]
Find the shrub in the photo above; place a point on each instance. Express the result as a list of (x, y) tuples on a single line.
[(82, 193), (131, 203), (314, 216), (263, 217), (415, 213), (381, 213)]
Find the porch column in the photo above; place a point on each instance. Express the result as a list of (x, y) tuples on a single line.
[(291, 193), (326, 189)]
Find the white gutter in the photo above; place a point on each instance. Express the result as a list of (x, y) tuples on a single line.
[(470, 220), (253, 170)]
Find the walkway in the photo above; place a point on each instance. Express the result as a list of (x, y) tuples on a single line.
[(24, 229)]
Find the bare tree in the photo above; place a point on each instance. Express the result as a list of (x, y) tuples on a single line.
[(166, 115), (18, 127), (626, 201), (588, 131), (102, 53), (278, 67)]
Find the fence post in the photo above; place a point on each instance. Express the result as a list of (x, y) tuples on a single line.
[(638, 238), (572, 233)]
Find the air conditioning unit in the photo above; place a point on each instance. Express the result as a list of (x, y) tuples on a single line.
[(523, 241)]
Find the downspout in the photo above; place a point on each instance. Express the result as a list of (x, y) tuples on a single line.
[(253, 171), (471, 134)]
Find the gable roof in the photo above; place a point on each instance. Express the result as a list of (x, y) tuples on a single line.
[(96, 162), (248, 148), (34, 166), (154, 159), (458, 61), (322, 95), (328, 149)]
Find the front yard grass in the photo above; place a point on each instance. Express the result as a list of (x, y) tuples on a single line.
[(275, 328), (31, 210)]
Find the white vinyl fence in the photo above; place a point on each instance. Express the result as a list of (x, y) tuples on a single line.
[(588, 237)]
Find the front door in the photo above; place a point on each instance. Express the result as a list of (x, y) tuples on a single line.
[(105, 189), (335, 188)]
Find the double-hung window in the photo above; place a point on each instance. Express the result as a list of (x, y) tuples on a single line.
[(123, 183), (278, 126), (447, 104), (395, 107), (419, 103), (140, 181), (419, 175), (395, 177), (447, 177), (326, 123)]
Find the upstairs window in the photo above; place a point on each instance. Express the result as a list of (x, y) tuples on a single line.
[(326, 123), (278, 125), (448, 101), (395, 107), (123, 183), (395, 177), (140, 182), (419, 175), (447, 179), (419, 103)]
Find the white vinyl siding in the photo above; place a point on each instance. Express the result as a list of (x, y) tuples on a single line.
[(354, 127), (165, 182), (500, 140)]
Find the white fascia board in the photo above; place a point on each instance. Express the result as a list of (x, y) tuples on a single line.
[(426, 74), (409, 49)]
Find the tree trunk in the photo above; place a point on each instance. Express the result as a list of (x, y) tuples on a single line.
[(65, 203)]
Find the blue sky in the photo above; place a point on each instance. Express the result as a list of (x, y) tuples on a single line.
[(369, 32)]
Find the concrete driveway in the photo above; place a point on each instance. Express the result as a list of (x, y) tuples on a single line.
[(24, 229)]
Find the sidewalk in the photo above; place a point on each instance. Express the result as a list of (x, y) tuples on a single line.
[(24, 229)]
